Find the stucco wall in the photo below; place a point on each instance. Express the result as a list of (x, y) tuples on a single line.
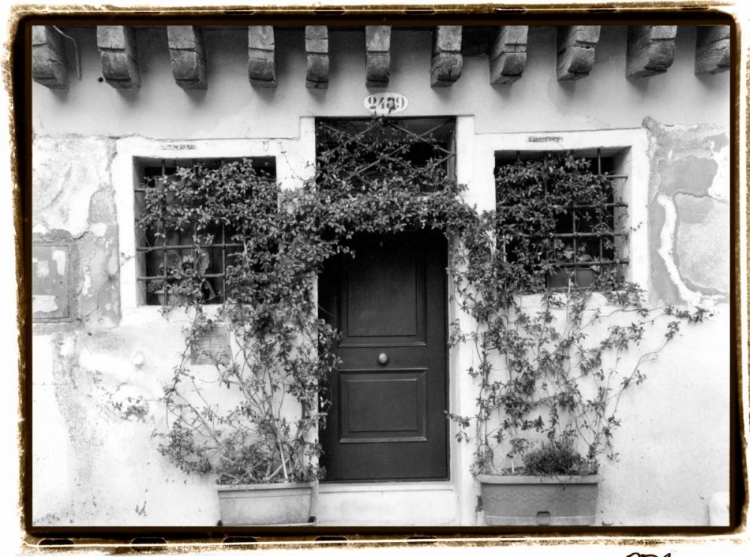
[(97, 376), (674, 442)]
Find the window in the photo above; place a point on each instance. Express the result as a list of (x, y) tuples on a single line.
[(561, 216), (177, 256), (358, 152)]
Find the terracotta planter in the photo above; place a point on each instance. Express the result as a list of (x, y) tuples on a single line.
[(539, 500), (281, 504)]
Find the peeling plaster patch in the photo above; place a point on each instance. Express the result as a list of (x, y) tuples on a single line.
[(86, 281), (99, 229), (702, 243), (67, 173), (43, 303), (42, 268), (60, 258), (718, 142), (662, 286), (67, 346), (720, 185), (114, 265), (666, 250), (689, 174)]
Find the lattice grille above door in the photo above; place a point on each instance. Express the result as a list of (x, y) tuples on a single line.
[(355, 153)]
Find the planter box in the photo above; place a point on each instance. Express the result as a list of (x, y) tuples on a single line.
[(267, 504), (539, 500)]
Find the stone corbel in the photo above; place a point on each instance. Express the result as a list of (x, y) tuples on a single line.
[(261, 50), (508, 54), (378, 55), (712, 50), (650, 50), (576, 49), (316, 46), (49, 64), (187, 56), (447, 60), (119, 58)]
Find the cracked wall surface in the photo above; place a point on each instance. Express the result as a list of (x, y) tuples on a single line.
[(689, 213), (95, 461), (74, 207)]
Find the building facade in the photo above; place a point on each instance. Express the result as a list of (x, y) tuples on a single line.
[(109, 104)]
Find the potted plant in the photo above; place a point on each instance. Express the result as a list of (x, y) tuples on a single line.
[(250, 417), (553, 357), (555, 485)]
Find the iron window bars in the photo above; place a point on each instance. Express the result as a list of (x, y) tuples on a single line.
[(356, 152), (163, 253), (587, 239)]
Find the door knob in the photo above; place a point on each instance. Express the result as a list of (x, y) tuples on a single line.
[(383, 358)]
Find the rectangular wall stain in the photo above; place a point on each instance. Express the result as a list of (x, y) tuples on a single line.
[(50, 285)]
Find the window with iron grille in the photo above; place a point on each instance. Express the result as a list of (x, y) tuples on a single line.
[(577, 235), (358, 152), (169, 255)]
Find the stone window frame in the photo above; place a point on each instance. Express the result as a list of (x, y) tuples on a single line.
[(568, 274), (476, 156), (167, 249), (294, 161)]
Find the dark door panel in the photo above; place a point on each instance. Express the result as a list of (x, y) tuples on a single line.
[(387, 419), (378, 407)]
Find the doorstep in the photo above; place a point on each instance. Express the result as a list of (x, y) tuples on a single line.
[(387, 504)]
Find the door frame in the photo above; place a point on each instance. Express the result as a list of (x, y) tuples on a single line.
[(460, 484), (390, 502), (438, 246)]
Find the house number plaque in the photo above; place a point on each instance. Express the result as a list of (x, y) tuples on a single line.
[(384, 104)]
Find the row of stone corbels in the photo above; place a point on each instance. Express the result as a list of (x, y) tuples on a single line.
[(650, 51)]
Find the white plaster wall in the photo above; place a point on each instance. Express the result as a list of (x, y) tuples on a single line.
[(94, 462), (674, 439)]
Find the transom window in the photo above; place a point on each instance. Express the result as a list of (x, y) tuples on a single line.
[(173, 258), (358, 152), (576, 235)]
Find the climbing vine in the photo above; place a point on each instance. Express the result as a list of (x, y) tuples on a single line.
[(534, 347)]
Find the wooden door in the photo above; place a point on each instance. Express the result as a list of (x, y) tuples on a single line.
[(389, 395)]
